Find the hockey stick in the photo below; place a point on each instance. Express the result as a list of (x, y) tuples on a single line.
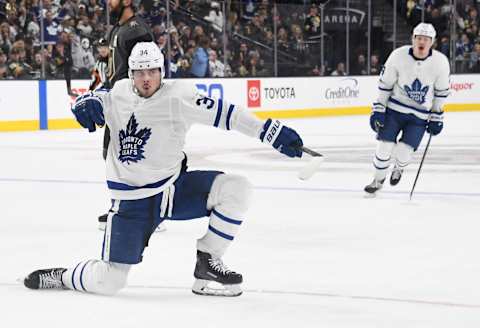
[(310, 152), (308, 170), (421, 164)]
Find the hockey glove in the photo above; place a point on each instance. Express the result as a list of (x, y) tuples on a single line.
[(377, 119), (88, 110), (282, 138), (434, 127)]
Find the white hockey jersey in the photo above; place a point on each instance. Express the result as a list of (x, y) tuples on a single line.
[(148, 134), (414, 86)]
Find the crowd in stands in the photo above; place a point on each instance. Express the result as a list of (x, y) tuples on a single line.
[(463, 23), (194, 40)]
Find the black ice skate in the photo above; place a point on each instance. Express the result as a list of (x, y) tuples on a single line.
[(210, 269), (396, 176), (45, 279), (373, 187)]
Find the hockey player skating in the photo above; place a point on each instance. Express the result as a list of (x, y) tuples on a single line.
[(148, 178), (413, 87)]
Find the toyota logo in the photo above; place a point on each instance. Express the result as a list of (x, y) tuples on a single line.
[(253, 93)]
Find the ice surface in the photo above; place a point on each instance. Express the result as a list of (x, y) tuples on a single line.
[(314, 253)]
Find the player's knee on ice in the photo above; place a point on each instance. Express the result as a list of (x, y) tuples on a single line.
[(98, 277), (230, 195), (114, 278)]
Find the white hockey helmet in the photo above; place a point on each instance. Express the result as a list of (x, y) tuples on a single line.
[(425, 29), (145, 55)]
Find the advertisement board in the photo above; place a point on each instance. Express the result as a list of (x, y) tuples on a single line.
[(31, 105), (19, 100)]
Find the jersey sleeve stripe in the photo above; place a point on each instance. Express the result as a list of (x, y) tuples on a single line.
[(229, 116), (219, 113)]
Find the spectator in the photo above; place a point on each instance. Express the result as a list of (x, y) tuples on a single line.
[(84, 27), (162, 42), (217, 69), (463, 47), (6, 37), (3, 58), (50, 29), (255, 66), (200, 59), (282, 39), (360, 67), (474, 65), (215, 16), (438, 21), (33, 28), (317, 71), (18, 68), (3, 72), (312, 22), (158, 15), (248, 9), (37, 67), (83, 60), (340, 70), (444, 46), (375, 66), (82, 10)]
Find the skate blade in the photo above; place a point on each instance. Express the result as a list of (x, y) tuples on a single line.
[(370, 195), (101, 226), (200, 287)]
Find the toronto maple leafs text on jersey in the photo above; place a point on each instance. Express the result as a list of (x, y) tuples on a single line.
[(148, 134), (414, 86)]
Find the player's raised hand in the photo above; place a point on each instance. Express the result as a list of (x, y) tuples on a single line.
[(282, 138), (88, 110)]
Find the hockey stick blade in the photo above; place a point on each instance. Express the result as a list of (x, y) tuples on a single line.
[(308, 170)]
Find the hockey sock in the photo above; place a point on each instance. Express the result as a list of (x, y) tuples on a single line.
[(381, 161), (98, 277), (229, 199), (403, 154)]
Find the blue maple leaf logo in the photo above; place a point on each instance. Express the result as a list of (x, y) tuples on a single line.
[(132, 142), (416, 92)]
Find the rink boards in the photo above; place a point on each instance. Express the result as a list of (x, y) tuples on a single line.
[(42, 105)]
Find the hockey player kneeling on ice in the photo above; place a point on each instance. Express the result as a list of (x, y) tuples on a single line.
[(148, 178), (413, 87)]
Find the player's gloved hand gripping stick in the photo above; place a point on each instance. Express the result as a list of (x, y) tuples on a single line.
[(288, 142)]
